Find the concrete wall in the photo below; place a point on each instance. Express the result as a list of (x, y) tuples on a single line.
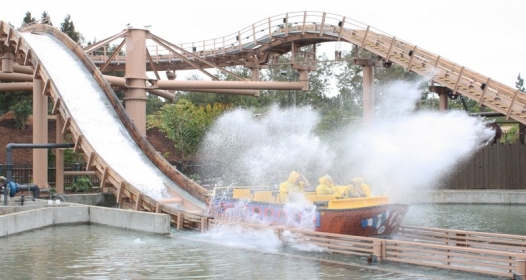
[(48, 215), (129, 219), (99, 199)]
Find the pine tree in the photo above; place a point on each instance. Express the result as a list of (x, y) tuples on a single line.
[(46, 19), (68, 27), (28, 19), (520, 83)]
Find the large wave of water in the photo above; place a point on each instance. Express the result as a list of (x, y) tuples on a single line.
[(402, 150)]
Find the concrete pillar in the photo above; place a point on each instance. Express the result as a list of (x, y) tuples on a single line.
[(59, 156), (135, 98), (40, 134)]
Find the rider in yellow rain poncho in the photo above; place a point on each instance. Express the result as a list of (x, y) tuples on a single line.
[(293, 187), (359, 189), (326, 186)]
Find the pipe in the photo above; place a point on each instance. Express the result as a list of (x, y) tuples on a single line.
[(22, 86), (17, 68), (121, 82), (12, 190), (9, 155), (177, 85), (15, 77), (487, 114)]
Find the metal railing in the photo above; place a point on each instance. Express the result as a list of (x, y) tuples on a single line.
[(23, 173)]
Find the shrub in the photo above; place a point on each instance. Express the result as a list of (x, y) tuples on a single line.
[(82, 184)]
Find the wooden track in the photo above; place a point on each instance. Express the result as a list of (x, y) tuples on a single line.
[(128, 196), (252, 47)]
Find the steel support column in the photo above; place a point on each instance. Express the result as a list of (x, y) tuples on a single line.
[(40, 134), (368, 94), (7, 62), (135, 99), (59, 156), (443, 96)]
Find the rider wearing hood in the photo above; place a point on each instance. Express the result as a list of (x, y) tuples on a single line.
[(294, 185)]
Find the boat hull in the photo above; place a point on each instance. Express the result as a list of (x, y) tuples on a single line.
[(373, 221)]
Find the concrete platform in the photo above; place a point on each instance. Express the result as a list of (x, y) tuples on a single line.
[(15, 218)]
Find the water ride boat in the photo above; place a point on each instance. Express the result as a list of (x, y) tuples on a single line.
[(366, 215)]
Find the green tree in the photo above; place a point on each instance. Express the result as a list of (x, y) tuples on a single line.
[(28, 19), (45, 18), (520, 83), (153, 104), (68, 27), (185, 124), (21, 110)]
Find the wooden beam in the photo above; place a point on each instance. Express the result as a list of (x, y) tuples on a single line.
[(458, 80), (138, 202), (66, 125), (119, 193), (27, 59), (7, 41), (45, 90), (411, 59), (434, 71), (286, 24), (104, 177), (486, 85), (56, 106), (18, 43), (36, 75), (304, 22), (77, 147), (322, 24), (70, 173), (341, 29), (91, 157), (511, 104), (390, 49), (253, 35), (179, 220), (365, 37)]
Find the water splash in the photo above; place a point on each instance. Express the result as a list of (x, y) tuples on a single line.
[(249, 149), (401, 151)]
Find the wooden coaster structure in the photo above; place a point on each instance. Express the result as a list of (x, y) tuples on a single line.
[(252, 47)]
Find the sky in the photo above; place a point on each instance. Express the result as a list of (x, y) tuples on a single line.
[(486, 36)]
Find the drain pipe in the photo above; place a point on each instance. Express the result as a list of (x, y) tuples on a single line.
[(9, 158)]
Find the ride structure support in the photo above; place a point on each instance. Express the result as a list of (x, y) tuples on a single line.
[(135, 98)]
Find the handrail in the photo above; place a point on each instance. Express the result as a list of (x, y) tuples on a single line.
[(262, 35)]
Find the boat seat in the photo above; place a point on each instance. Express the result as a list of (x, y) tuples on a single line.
[(242, 193), (265, 196), (314, 198)]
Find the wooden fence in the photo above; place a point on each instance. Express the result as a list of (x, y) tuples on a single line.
[(473, 252), (498, 166)]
